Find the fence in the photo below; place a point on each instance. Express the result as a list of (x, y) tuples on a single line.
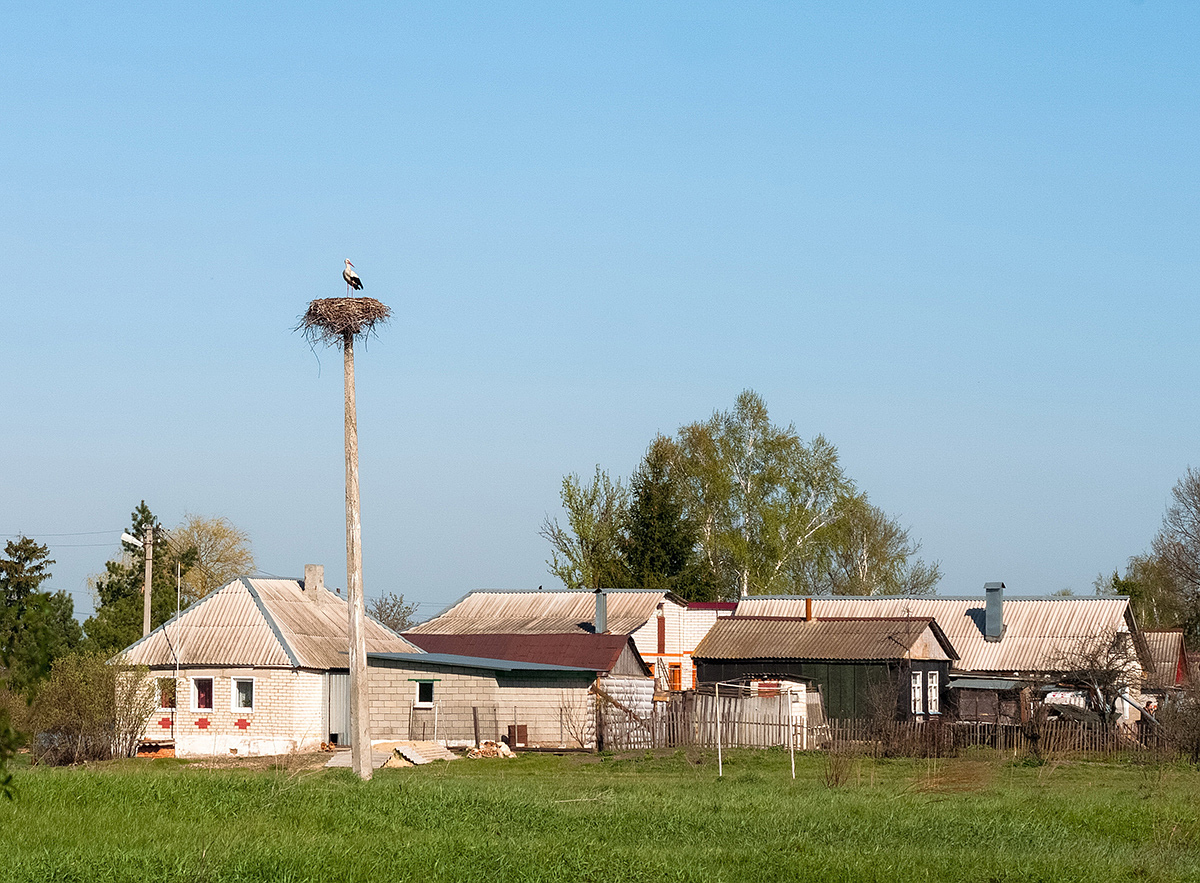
[(748, 721), (945, 739), (699, 719)]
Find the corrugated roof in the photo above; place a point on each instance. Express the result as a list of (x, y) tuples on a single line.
[(1167, 651), (262, 622), (596, 652), (1035, 630), (545, 613), (771, 637)]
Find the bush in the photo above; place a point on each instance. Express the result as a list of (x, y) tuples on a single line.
[(90, 709), (1180, 719)]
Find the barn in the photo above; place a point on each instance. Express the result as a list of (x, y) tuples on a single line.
[(897, 667)]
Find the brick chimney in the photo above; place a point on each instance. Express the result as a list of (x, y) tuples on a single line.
[(314, 578)]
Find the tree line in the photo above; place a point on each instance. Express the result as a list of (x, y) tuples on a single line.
[(1163, 583), (731, 506)]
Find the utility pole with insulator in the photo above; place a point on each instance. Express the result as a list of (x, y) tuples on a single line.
[(148, 548)]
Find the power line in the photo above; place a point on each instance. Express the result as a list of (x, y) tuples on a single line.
[(78, 533)]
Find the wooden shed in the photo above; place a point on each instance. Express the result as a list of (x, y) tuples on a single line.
[(894, 666)]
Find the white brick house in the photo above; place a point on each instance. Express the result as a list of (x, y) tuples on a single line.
[(258, 667)]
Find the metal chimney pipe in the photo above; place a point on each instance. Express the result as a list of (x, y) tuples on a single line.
[(601, 612), (993, 612), (808, 610)]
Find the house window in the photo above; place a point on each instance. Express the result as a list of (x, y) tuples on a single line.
[(931, 692), (675, 675), (164, 688), (424, 694), (917, 705), (202, 694), (243, 694)]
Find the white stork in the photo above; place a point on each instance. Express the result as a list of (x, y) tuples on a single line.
[(352, 280)]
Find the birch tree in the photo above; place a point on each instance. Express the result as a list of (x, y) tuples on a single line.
[(760, 497), (587, 553)]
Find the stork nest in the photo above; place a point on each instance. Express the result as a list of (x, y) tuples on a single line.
[(334, 319)]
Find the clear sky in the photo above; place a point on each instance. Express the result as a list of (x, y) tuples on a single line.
[(957, 239)]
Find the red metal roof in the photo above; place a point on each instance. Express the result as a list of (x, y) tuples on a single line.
[(579, 650)]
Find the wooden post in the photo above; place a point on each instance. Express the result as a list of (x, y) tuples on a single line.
[(475, 721), (360, 725), (717, 694), (148, 548)]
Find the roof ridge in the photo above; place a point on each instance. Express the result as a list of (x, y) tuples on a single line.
[(270, 619)]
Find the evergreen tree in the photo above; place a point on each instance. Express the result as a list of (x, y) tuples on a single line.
[(36, 627), (659, 544), (117, 622)]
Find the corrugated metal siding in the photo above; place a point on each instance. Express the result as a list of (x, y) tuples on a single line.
[(306, 629), (1036, 630), (541, 613), (757, 638)]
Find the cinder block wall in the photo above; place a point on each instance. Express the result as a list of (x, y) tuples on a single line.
[(555, 707)]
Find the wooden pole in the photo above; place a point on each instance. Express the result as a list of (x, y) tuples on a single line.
[(360, 728), (717, 695), (148, 548)]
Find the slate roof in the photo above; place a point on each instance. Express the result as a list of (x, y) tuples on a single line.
[(262, 622), (596, 652), (1036, 630), (770, 637), (547, 613)]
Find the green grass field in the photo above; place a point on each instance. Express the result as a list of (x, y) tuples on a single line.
[(578, 818)]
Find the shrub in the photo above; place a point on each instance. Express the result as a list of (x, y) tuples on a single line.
[(90, 709)]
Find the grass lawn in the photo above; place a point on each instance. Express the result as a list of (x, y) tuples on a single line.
[(578, 818)]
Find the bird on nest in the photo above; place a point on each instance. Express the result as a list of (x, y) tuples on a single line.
[(352, 280)]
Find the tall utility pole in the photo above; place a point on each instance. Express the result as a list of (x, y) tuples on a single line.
[(360, 748), (337, 321), (148, 548)]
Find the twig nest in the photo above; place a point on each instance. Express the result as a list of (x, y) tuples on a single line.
[(333, 319)]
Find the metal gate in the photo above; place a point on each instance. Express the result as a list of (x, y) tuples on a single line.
[(337, 706)]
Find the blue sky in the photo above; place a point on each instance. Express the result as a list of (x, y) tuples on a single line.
[(959, 240)]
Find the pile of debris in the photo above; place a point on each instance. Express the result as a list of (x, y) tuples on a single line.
[(489, 748)]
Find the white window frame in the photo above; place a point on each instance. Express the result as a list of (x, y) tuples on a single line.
[(417, 703), (932, 705), (196, 693), (158, 694), (233, 694), (917, 692)]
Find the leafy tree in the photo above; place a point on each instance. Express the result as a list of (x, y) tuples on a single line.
[(117, 622), (1155, 596), (222, 554), (866, 552), (35, 626), (393, 611), (587, 554), (659, 544), (90, 709), (761, 498)]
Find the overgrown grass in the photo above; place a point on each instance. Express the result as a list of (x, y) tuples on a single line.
[(647, 817)]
